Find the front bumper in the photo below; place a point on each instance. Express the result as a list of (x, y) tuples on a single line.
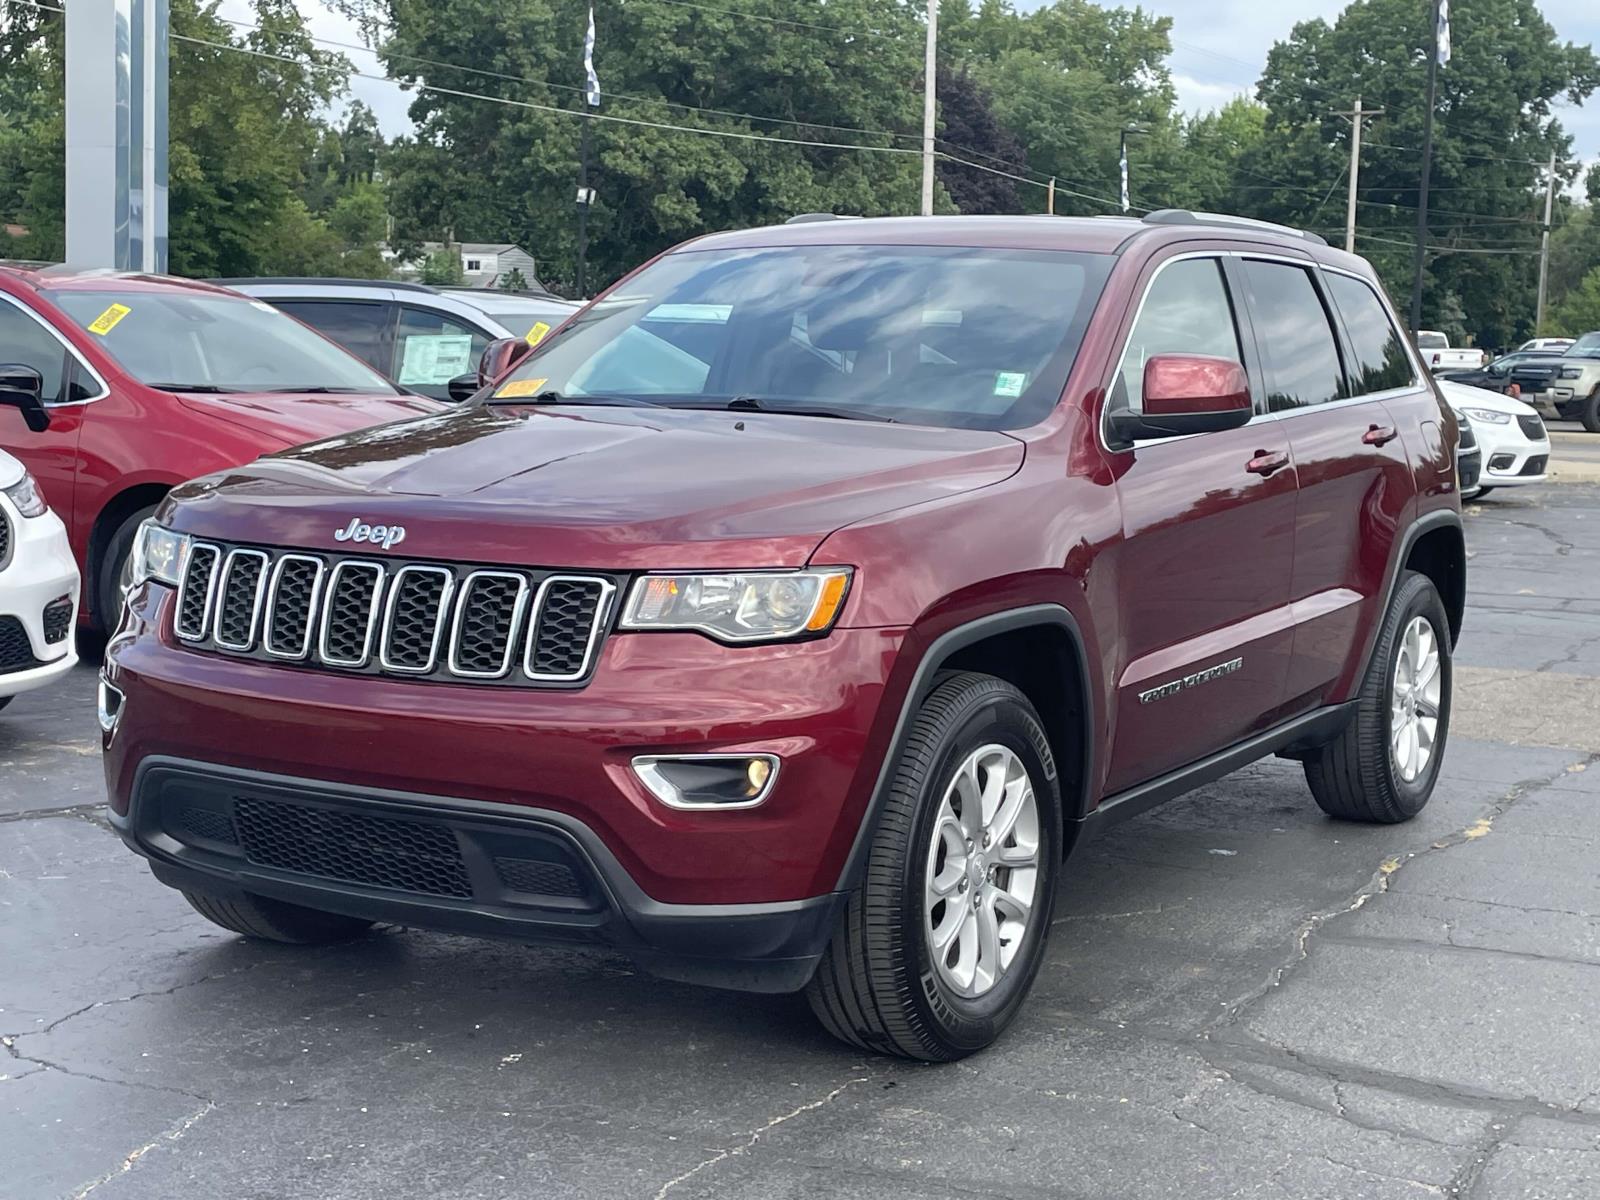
[(1510, 457), (37, 572), (461, 866)]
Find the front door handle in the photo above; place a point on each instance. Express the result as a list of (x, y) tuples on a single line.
[(1379, 435), (1267, 461)]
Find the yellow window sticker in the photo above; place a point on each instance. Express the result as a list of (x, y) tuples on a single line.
[(107, 321), (520, 387), (536, 334)]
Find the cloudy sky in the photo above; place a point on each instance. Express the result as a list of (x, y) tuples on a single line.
[(1219, 47)]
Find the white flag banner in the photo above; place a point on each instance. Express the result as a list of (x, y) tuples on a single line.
[(592, 94), (1442, 34), (1123, 163)]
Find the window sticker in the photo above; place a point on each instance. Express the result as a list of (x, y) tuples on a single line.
[(435, 358), (520, 387), (1009, 383), (536, 334), (107, 321)]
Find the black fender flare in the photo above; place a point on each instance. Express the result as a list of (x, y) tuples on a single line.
[(1441, 518), (923, 682)]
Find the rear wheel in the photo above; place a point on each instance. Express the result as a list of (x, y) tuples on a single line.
[(936, 951), (1383, 767), (276, 921)]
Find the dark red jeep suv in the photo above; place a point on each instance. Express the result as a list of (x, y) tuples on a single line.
[(786, 617)]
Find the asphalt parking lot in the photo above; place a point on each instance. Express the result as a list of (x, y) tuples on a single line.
[(1242, 998)]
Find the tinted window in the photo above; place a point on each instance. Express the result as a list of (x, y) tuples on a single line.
[(360, 328), (1427, 340), (23, 340), (979, 338), (1186, 311), (1380, 355), (431, 349), (176, 339), (1296, 341), (1588, 346)]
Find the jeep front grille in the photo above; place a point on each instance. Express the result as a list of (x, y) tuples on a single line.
[(424, 620)]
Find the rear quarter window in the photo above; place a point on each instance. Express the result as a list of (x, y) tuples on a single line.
[(1381, 362)]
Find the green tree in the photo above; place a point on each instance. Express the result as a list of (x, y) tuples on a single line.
[(442, 268), (514, 281), (1579, 312)]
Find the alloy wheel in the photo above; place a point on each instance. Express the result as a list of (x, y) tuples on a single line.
[(1414, 702)]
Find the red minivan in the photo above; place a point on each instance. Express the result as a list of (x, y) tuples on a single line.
[(144, 382)]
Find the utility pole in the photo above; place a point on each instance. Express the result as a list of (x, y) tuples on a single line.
[(1544, 243), (1122, 161), (1420, 257), (929, 57), (591, 101), (1355, 116), (1050, 197)]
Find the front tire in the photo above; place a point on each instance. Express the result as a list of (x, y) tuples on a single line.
[(1384, 765), (937, 949), (1481, 493), (270, 920), (112, 574), (1589, 414)]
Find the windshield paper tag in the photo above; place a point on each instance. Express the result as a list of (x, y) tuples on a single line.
[(107, 321), (536, 334), (1009, 383), (520, 387)]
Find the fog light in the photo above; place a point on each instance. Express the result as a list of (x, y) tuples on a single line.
[(702, 781)]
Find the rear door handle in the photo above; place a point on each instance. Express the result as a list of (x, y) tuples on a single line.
[(1266, 462), (1379, 435)]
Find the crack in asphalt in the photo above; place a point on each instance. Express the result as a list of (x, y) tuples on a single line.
[(10, 1039), (1423, 946), (1562, 545), (1465, 1181), (131, 1160), (755, 1135), (88, 811)]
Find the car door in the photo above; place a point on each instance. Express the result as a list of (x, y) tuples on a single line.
[(363, 327), (1349, 404), (69, 384), (431, 349), (1207, 545)]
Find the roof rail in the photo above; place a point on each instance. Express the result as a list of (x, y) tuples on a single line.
[(327, 281), (1182, 216), (810, 218)]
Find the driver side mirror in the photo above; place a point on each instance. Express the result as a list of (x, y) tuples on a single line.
[(499, 356), (1187, 393), (23, 388)]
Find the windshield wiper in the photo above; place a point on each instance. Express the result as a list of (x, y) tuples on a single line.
[(207, 388), (318, 389), (555, 397), (765, 405)]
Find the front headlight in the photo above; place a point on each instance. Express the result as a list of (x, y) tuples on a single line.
[(751, 606), (1488, 416), (25, 494), (1571, 372), (159, 554)]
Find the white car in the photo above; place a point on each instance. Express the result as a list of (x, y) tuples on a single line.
[(38, 587), (1550, 345), (1437, 352), (1513, 439)]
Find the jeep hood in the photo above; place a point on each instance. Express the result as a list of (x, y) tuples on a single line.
[(603, 488), (292, 418)]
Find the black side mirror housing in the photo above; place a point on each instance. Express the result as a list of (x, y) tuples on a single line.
[(463, 387), (23, 388)]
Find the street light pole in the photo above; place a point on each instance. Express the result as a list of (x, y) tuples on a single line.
[(1420, 256), (929, 64), (1544, 244), (1356, 115)]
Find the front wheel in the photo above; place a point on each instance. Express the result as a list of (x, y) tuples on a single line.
[(1384, 765), (1589, 414), (115, 572), (1481, 493), (269, 920), (937, 949)]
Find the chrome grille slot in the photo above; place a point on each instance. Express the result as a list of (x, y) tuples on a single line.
[(5, 540), (350, 618), (199, 587), (569, 617), (292, 599), (419, 602), (444, 622), (243, 579), (482, 639)]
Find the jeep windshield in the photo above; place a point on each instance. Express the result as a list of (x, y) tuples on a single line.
[(182, 341), (955, 337)]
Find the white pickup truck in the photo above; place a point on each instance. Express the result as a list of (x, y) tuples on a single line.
[(1439, 355)]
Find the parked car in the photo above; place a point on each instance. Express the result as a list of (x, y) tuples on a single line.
[(1512, 440), (419, 336), (38, 583), (1469, 459), (1546, 345), (788, 616), (1441, 356), (1497, 376), (144, 382), (1566, 385)]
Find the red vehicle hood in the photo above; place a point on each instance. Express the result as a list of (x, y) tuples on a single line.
[(294, 418), (604, 488)]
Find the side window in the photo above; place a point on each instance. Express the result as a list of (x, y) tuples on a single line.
[(1186, 311), (358, 327), (431, 349), (23, 340), (1298, 351), (1380, 355)]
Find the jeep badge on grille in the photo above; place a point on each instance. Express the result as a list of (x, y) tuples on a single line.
[(358, 530)]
